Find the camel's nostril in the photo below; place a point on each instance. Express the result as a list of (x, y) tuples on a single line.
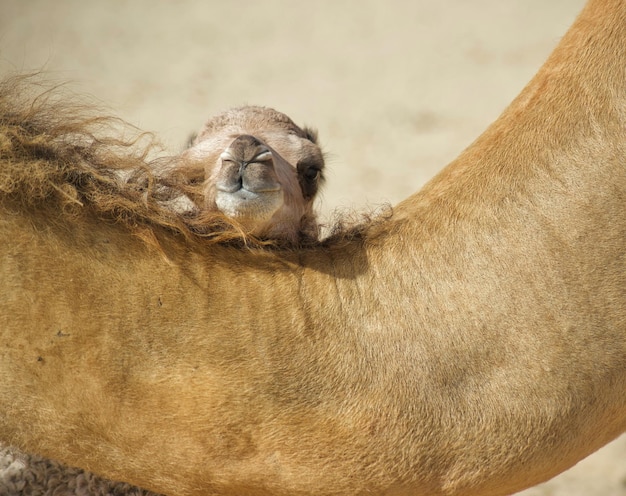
[(245, 150), (263, 156)]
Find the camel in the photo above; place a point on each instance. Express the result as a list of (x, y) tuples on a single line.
[(259, 169), (472, 343)]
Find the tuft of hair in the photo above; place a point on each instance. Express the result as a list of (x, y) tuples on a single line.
[(347, 225), (57, 150), (61, 152), (310, 134)]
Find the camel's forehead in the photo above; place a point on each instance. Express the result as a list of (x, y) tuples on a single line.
[(251, 120), (273, 128), (289, 145)]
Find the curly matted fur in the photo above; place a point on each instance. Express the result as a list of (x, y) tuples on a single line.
[(22, 474), (54, 151)]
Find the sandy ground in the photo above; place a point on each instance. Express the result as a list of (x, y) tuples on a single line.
[(397, 88)]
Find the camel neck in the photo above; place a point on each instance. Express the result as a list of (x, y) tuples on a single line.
[(565, 130)]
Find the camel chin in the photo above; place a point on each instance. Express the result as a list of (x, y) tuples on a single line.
[(253, 208)]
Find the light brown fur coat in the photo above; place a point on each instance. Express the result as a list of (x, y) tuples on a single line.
[(472, 344)]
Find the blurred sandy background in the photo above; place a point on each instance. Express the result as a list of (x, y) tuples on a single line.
[(396, 88)]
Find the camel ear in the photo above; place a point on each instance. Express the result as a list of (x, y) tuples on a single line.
[(191, 140), (310, 134)]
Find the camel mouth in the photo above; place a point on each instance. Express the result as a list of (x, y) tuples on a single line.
[(251, 190), (246, 192), (248, 179), (247, 175)]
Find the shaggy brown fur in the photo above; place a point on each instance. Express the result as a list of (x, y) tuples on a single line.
[(91, 162), (472, 344)]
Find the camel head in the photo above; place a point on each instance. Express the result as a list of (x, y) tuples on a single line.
[(261, 170)]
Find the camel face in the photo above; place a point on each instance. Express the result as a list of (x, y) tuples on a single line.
[(261, 170)]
